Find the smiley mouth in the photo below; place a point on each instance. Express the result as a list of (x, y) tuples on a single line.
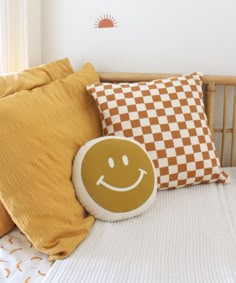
[(101, 181)]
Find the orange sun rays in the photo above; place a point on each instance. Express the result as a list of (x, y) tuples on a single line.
[(105, 21)]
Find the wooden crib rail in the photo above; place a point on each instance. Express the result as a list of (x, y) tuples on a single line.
[(138, 77), (228, 88), (211, 93)]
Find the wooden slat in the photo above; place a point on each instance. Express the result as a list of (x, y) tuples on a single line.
[(225, 111), (220, 80), (137, 77), (233, 153), (132, 77), (227, 131), (210, 106)]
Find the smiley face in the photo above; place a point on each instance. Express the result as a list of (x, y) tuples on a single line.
[(114, 175), (125, 159)]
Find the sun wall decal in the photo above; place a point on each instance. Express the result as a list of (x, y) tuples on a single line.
[(105, 21)]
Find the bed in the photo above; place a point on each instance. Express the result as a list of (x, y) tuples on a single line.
[(188, 235)]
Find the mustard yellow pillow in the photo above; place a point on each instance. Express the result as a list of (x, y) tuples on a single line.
[(34, 77), (29, 79), (6, 224), (41, 131)]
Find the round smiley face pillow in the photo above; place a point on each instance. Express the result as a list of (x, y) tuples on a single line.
[(114, 178)]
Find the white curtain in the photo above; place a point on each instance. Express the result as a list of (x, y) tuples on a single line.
[(14, 35)]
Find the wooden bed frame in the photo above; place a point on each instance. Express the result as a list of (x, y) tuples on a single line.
[(213, 88)]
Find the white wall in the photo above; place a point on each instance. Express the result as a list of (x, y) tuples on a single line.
[(151, 36), (34, 32)]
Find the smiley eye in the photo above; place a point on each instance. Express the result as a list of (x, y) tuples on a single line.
[(125, 160), (111, 162)]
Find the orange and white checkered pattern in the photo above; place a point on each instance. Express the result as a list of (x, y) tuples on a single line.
[(167, 116)]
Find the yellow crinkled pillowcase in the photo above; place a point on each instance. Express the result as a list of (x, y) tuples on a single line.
[(34, 77), (29, 79), (41, 130)]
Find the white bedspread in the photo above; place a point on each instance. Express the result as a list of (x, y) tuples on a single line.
[(188, 236)]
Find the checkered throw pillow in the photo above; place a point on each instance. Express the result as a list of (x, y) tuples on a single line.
[(166, 116)]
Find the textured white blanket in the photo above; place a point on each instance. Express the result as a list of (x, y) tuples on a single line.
[(188, 236)]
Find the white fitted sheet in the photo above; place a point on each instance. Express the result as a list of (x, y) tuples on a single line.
[(187, 236)]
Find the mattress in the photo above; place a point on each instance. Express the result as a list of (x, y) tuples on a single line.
[(188, 235), (19, 261)]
